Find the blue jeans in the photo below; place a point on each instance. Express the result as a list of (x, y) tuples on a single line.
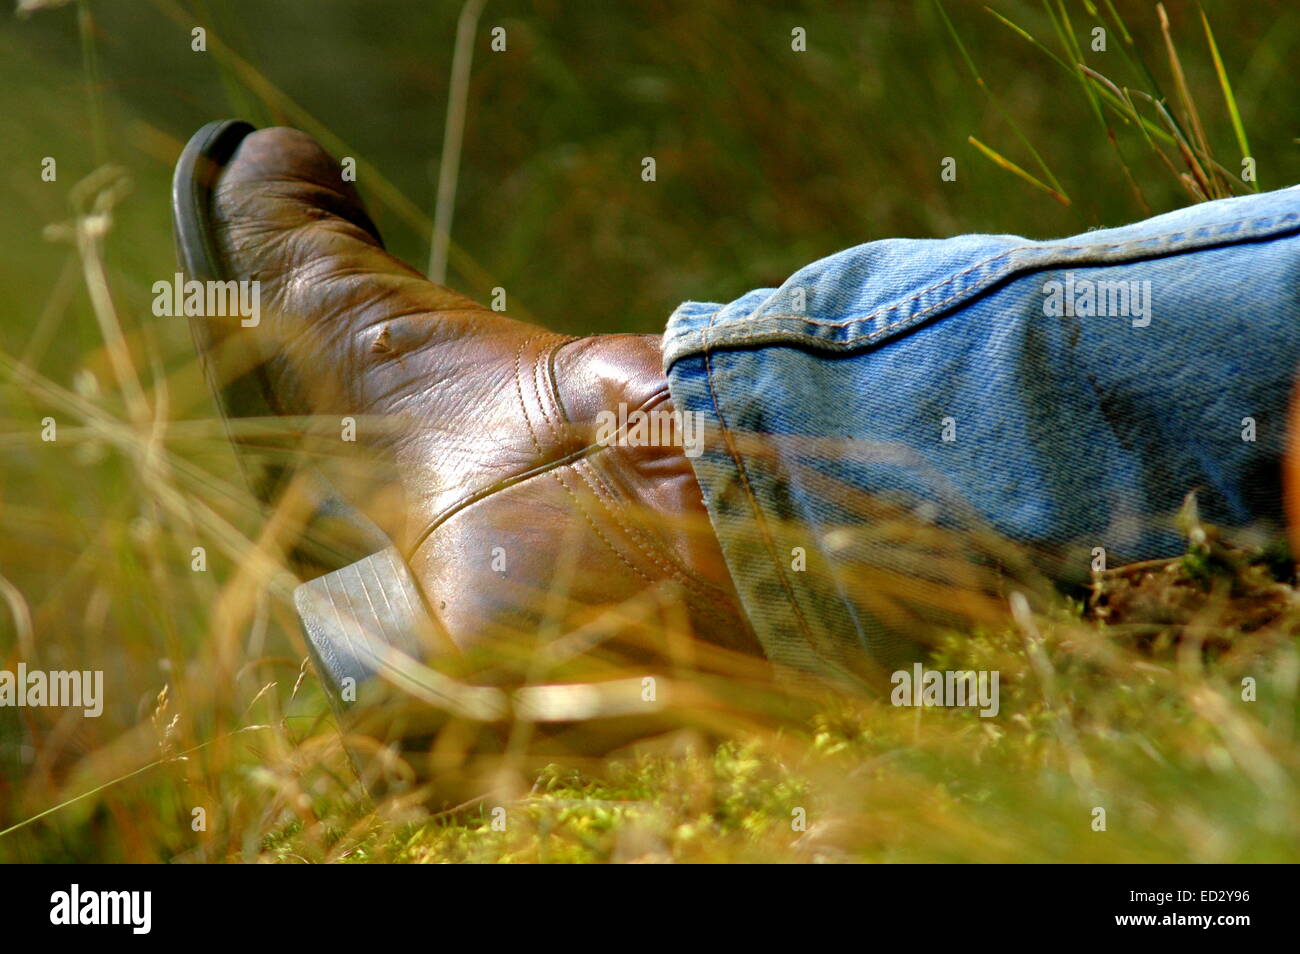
[(902, 411)]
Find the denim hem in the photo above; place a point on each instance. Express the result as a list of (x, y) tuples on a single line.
[(698, 327), (893, 339)]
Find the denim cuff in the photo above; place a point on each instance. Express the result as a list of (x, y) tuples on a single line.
[(1069, 431), (804, 620)]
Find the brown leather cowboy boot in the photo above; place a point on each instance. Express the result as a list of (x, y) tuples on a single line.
[(516, 514)]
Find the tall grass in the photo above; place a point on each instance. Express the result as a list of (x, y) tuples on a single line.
[(770, 162)]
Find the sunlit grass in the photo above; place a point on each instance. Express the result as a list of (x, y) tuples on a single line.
[(212, 706)]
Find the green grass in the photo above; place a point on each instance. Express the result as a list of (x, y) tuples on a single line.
[(767, 159), (1143, 717)]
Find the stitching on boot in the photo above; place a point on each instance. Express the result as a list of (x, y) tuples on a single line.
[(655, 550), (596, 530), (519, 392)]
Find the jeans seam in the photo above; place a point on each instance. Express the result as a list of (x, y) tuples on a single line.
[(995, 276), (760, 520)]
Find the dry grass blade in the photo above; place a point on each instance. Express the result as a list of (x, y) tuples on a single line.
[(1208, 183), (1011, 167), (997, 102)]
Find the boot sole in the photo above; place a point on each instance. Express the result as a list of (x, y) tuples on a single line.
[(337, 533)]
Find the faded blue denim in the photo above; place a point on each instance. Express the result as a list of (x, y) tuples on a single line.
[(828, 401)]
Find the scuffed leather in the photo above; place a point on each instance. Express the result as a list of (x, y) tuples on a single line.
[(495, 443)]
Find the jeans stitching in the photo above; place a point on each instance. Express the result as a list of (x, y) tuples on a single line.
[(760, 521), (994, 276)]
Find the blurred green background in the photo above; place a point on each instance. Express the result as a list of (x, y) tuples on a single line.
[(767, 158)]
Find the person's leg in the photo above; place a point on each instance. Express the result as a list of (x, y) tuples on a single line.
[(518, 517), (1060, 394), (1063, 395)]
